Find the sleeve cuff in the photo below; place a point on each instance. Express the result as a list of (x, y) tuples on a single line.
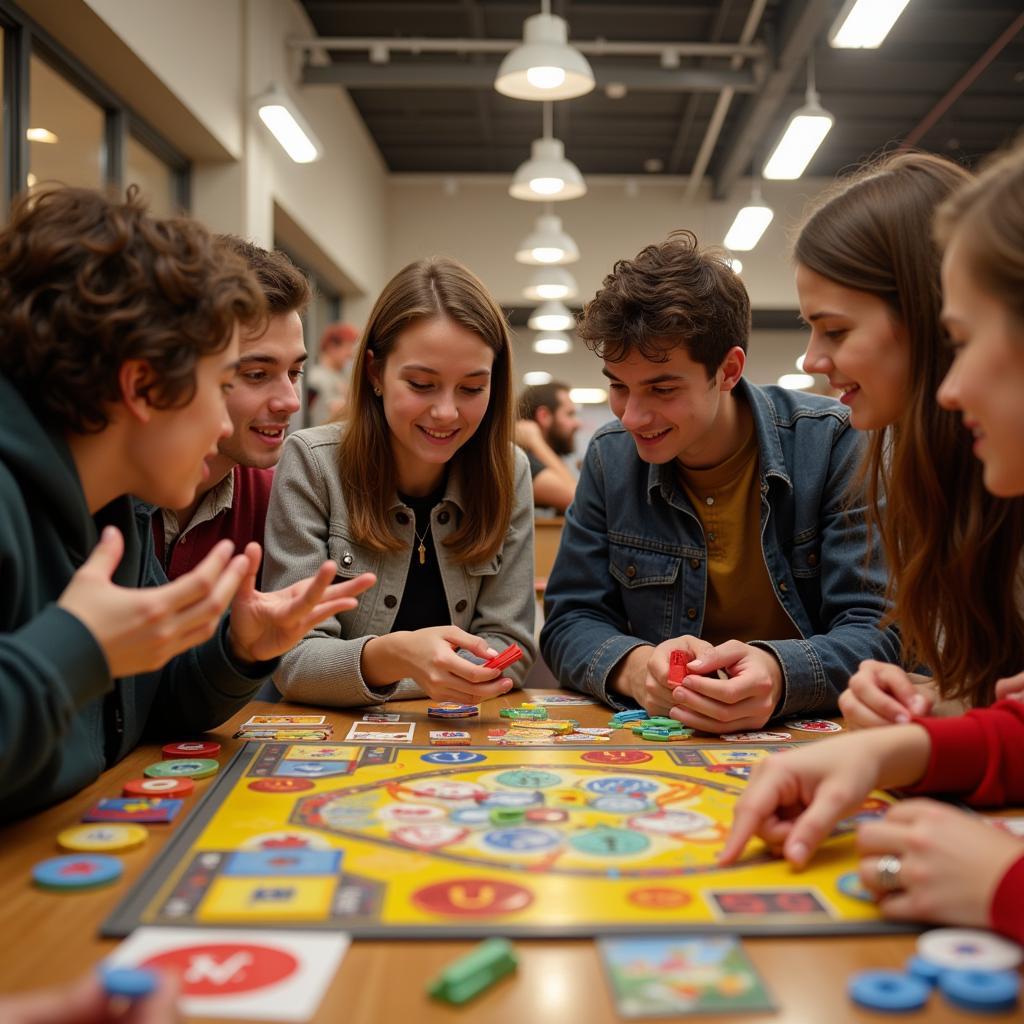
[(958, 758), (1007, 911)]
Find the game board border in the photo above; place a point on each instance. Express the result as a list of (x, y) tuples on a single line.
[(126, 916)]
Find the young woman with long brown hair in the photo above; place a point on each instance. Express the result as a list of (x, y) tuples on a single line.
[(924, 860), (869, 285), (423, 483)]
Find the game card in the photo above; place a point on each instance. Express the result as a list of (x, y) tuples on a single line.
[(252, 974), (377, 732), (285, 721), (665, 976), (382, 716)]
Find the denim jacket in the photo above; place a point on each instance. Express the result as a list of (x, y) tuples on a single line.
[(308, 521), (632, 565)]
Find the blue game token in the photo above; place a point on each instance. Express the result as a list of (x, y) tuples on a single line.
[(129, 982), (981, 991), (77, 871), (889, 991), (925, 970)]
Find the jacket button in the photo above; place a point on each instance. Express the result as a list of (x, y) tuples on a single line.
[(402, 519), (630, 571), (347, 559), (443, 516), (812, 559), (784, 586), (390, 601), (460, 606), (694, 563), (691, 613)]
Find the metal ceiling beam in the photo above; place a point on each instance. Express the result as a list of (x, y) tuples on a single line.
[(805, 21), (458, 75)]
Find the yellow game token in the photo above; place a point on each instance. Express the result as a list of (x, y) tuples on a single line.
[(105, 838)]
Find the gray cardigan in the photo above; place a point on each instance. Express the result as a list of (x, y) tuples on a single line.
[(308, 521)]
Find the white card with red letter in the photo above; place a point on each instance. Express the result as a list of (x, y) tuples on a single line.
[(249, 973)]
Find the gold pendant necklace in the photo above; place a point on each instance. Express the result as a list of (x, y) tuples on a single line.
[(422, 549)]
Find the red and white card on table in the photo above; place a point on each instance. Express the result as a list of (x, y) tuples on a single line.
[(507, 657), (251, 974), (677, 665)]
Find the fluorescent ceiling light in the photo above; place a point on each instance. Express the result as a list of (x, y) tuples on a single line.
[(550, 283), (547, 175), (288, 126), (588, 396), (532, 377), (547, 244), (550, 316), (796, 381), (749, 225), (40, 135), (552, 343), (804, 133), (545, 67), (863, 24)]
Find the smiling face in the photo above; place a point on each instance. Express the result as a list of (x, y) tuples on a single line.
[(986, 381), (671, 408), (858, 344), (265, 393), (435, 387)]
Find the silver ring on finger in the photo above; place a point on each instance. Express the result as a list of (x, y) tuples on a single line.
[(887, 870)]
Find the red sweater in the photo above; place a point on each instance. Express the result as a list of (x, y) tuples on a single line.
[(979, 756), (242, 522)]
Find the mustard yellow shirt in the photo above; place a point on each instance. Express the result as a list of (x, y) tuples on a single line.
[(741, 601)]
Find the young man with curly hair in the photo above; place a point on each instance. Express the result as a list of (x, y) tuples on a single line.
[(715, 517), (231, 503), (118, 340)]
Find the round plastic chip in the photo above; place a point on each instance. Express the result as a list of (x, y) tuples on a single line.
[(969, 949), (158, 787), (129, 982), (889, 991), (78, 871), (195, 768), (197, 748), (982, 991), (102, 838)]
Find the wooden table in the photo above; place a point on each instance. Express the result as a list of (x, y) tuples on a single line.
[(52, 937)]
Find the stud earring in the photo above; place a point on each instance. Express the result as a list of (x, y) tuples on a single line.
[(378, 392)]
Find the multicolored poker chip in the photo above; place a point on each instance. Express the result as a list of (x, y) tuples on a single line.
[(158, 787), (197, 768), (191, 750), (77, 871)]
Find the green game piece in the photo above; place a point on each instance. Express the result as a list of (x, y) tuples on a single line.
[(198, 768), (507, 815), (476, 971), (664, 723), (662, 735)]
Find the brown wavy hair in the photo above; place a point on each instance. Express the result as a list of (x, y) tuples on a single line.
[(673, 293), (953, 550), (425, 290), (88, 282), (285, 287)]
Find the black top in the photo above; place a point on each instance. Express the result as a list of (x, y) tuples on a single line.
[(423, 602)]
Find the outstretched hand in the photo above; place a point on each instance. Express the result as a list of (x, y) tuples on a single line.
[(139, 629), (266, 625)]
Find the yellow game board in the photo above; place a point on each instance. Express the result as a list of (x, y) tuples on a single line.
[(543, 841)]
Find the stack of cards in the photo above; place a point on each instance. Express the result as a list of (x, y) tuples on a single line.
[(448, 709), (286, 727)]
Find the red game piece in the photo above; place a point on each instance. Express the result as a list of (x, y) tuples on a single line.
[(194, 748), (158, 787), (507, 657), (677, 663)]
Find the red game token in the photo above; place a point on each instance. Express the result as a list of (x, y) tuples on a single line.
[(196, 748), (158, 787)]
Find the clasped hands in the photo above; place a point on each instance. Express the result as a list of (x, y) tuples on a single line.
[(744, 700)]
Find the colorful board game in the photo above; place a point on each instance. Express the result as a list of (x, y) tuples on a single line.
[(385, 841)]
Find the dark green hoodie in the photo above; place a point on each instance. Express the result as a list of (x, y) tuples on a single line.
[(63, 719)]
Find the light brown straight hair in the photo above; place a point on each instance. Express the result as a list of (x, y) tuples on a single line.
[(953, 550), (426, 290)]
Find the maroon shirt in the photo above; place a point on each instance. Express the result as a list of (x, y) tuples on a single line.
[(242, 522)]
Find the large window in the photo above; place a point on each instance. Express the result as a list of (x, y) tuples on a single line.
[(62, 124)]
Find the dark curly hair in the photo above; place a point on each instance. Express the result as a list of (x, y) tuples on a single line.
[(674, 293), (87, 282)]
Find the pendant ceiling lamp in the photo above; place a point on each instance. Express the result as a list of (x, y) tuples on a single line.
[(545, 67), (547, 176), (547, 244), (550, 283), (805, 131), (550, 316)]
